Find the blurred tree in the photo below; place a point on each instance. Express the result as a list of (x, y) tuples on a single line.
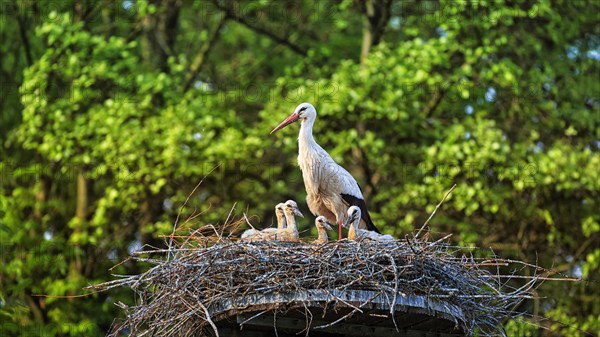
[(113, 111)]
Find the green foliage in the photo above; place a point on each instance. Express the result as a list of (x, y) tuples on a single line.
[(102, 143)]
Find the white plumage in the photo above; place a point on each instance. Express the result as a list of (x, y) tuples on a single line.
[(322, 227), (330, 189), (267, 234), (280, 215), (355, 233), (290, 233)]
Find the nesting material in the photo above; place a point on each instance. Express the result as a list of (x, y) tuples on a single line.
[(203, 280)]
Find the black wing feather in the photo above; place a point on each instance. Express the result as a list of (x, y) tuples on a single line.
[(364, 214)]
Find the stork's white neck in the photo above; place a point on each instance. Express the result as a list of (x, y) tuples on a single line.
[(305, 138), (354, 230), (322, 234), (291, 221), (281, 221)]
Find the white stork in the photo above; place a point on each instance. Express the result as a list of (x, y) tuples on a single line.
[(290, 233), (322, 227), (267, 234), (330, 189), (280, 215), (355, 233)]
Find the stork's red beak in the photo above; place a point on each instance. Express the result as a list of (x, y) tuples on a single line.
[(291, 119)]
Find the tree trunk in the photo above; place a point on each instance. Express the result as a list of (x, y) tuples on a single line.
[(367, 41), (82, 195), (377, 14)]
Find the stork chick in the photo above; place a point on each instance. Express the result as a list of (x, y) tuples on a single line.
[(355, 233), (267, 234), (322, 227), (330, 189), (290, 233)]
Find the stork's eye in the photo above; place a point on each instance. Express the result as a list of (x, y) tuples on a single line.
[(303, 108)]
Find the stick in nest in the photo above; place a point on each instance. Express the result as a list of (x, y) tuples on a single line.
[(435, 210), (186, 201)]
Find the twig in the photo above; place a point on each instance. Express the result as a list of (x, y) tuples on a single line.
[(212, 324), (393, 304), (435, 210), (228, 218), (253, 317), (345, 316), (186, 201), (435, 243), (280, 40)]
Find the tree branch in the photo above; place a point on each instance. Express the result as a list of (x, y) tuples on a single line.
[(367, 40), (35, 308), (23, 33), (202, 55), (160, 33), (377, 15), (433, 102), (385, 13), (361, 156), (282, 40)]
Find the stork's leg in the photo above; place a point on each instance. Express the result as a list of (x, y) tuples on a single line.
[(340, 236)]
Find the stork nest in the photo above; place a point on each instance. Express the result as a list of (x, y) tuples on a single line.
[(185, 289)]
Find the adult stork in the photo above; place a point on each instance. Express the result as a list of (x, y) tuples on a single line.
[(330, 189)]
